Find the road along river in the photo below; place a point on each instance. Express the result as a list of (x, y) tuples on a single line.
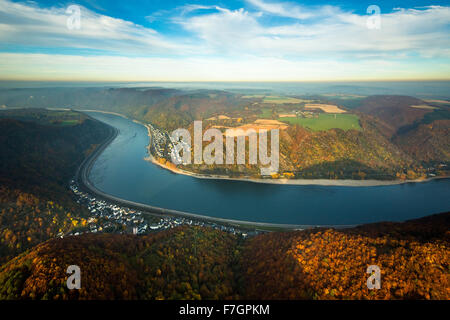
[(120, 172)]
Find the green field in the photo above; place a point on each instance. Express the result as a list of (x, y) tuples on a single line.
[(266, 113), (68, 122), (327, 121)]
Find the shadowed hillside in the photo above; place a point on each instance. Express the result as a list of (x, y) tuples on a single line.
[(41, 151), (201, 263), (396, 111), (414, 259), (419, 129), (428, 142), (182, 263)]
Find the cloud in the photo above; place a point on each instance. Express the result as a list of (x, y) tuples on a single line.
[(176, 14), (339, 34), (29, 25), (225, 30), (221, 31), (188, 8), (289, 10), (308, 42)]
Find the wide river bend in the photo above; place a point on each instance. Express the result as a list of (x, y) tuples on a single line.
[(121, 171)]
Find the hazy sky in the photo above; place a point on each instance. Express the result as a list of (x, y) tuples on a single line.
[(240, 40)]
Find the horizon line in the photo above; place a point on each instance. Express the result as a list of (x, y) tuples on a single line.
[(228, 81)]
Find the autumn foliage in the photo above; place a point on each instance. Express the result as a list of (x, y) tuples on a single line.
[(332, 264), (40, 152), (182, 263), (202, 263)]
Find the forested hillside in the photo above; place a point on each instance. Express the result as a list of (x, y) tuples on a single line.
[(201, 263), (180, 111), (353, 154), (329, 264), (398, 137), (41, 151), (428, 142), (395, 111), (182, 263), (418, 128)]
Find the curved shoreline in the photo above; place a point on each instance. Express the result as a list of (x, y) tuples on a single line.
[(82, 178), (297, 182), (84, 181)]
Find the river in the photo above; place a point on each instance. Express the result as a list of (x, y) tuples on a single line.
[(122, 172)]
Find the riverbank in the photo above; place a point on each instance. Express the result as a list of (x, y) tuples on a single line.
[(295, 182), (125, 174), (83, 181), (101, 111)]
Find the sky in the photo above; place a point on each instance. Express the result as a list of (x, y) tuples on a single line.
[(221, 40)]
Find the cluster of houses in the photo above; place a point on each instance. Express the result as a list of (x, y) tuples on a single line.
[(171, 222), (159, 140), (432, 171), (162, 142), (304, 114), (107, 217)]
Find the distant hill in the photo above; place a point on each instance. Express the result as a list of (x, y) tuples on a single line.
[(181, 110), (396, 111), (201, 263), (122, 100)]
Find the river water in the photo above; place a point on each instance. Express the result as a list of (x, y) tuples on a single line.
[(122, 171)]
